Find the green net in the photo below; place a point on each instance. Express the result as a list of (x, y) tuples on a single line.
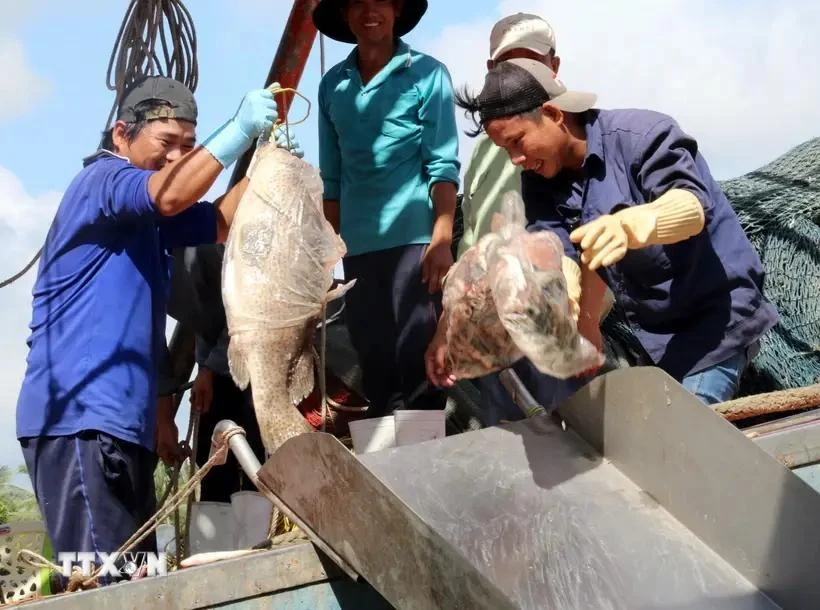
[(779, 208)]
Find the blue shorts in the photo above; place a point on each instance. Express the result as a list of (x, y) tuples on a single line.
[(94, 491), (719, 382)]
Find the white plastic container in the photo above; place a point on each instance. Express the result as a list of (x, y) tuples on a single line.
[(212, 527), (373, 434), (252, 513), (165, 535), (418, 426)]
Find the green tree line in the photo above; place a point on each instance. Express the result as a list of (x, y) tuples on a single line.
[(16, 503)]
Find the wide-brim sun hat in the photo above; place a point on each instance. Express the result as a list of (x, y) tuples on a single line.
[(327, 17)]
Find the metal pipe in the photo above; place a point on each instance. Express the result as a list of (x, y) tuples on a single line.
[(520, 394), (240, 447), (287, 67)]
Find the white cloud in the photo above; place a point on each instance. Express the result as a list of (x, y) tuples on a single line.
[(13, 14), (20, 85), (24, 222), (737, 76)]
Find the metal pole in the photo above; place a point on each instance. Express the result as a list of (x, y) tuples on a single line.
[(519, 393), (240, 447), (287, 67)]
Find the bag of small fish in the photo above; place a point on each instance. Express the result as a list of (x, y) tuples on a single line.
[(506, 298)]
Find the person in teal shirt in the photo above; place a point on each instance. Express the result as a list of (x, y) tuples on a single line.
[(388, 157)]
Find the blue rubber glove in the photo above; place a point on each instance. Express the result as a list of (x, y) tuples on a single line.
[(255, 115), (282, 141)]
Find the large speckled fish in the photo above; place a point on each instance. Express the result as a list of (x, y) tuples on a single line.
[(277, 274)]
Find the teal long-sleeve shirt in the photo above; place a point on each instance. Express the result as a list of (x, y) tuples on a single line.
[(383, 145)]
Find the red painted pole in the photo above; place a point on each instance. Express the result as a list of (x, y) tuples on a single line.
[(288, 65)]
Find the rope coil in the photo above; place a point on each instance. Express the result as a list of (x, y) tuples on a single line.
[(135, 54), (135, 51)]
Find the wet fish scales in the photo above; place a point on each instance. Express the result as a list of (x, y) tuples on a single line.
[(277, 273)]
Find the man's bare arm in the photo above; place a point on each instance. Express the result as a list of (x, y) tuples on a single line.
[(226, 209), (593, 305), (178, 186)]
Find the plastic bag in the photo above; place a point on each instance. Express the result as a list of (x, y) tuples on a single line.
[(281, 251), (506, 298)]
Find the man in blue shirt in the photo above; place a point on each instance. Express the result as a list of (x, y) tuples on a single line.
[(87, 409), (630, 190), (388, 155)]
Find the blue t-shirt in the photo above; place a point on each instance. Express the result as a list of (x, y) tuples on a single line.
[(99, 305)]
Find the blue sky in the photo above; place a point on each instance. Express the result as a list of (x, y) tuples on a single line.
[(236, 43), (67, 52), (738, 81)]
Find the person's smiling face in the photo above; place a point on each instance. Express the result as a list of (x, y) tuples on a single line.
[(159, 142), (536, 141), (371, 21)]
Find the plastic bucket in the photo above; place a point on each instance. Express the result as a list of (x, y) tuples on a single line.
[(165, 535), (373, 434), (252, 512), (212, 527), (418, 426)]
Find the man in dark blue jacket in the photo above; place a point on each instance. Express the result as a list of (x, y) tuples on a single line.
[(630, 196)]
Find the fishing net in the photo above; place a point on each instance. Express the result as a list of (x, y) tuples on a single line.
[(281, 251), (779, 208), (506, 298)]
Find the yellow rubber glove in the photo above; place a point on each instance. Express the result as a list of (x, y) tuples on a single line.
[(673, 217)]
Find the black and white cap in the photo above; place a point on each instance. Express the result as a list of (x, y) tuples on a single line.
[(519, 85)]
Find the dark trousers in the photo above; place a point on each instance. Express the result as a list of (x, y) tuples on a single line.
[(391, 317), (94, 491), (229, 402)]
